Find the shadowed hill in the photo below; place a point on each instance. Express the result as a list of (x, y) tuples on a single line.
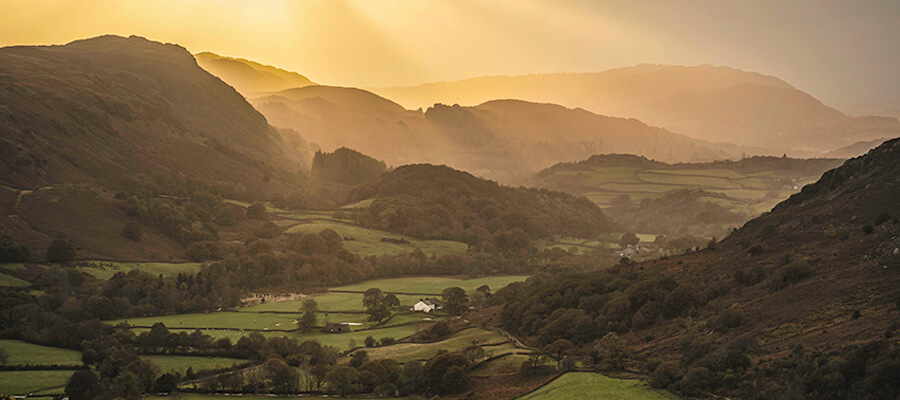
[(250, 77), (438, 202), (712, 103), (101, 108)]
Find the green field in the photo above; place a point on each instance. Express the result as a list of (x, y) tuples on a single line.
[(405, 352), (433, 284), (222, 319), (106, 269), (25, 382), (26, 353), (169, 364), (589, 386), (11, 281), (364, 241), (12, 266), (748, 190), (194, 396), (327, 302), (357, 239)]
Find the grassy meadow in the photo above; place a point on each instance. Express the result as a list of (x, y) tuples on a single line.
[(588, 386), (106, 269), (750, 193), (20, 353), (171, 364), (24, 382)]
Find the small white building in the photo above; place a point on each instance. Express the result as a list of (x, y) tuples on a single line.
[(426, 305)]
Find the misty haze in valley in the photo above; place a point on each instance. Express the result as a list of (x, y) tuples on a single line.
[(449, 200)]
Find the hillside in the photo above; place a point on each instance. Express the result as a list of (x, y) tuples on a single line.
[(249, 77), (438, 202), (101, 108), (504, 140), (798, 298), (713, 103), (703, 199)]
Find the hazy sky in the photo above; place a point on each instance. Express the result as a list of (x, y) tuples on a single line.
[(841, 51)]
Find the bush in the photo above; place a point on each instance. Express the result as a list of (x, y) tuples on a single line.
[(665, 374), (387, 341), (727, 320), (755, 250), (370, 341), (60, 251), (10, 251), (697, 381), (868, 229), (132, 231), (790, 274), (257, 211), (882, 219), (751, 277)]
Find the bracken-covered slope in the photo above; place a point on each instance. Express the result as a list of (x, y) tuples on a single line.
[(822, 270), (801, 302), (438, 202), (101, 108)]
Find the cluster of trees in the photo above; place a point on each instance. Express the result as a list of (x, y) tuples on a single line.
[(11, 251), (583, 307), (437, 202), (346, 166), (681, 212)]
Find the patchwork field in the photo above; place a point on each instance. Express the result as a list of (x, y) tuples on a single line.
[(405, 352), (357, 240), (754, 186), (106, 269), (25, 382), (169, 364), (587, 386), (20, 353), (278, 318), (432, 284)]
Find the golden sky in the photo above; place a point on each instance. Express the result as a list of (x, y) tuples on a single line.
[(840, 51)]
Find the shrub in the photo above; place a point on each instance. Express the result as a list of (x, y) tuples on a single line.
[(749, 278), (755, 250), (727, 320), (665, 374), (387, 341), (10, 251), (370, 341), (257, 211), (868, 229), (60, 251), (790, 274), (132, 231), (882, 219)]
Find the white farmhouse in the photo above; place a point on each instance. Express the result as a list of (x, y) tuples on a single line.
[(426, 305)]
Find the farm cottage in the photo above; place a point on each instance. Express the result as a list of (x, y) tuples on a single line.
[(426, 305)]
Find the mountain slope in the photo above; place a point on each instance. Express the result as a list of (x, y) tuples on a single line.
[(249, 77), (101, 108), (796, 299), (712, 103)]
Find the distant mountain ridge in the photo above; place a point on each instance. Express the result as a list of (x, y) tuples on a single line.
[(707, 102), (250, 77), (500, 139)]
